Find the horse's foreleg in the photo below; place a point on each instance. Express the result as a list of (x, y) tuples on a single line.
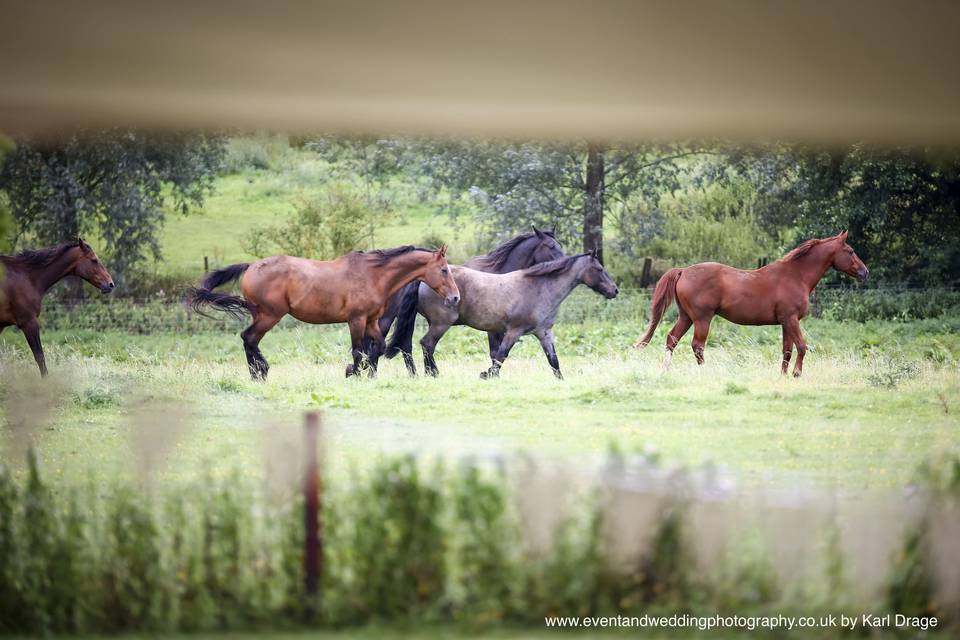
[(792, 336), (701, 328), (493, 340), (31, 331), (357, 326), (801, 347), (251, 336), (509, 339), (429, 343), (550, 350), (787, 348), (677, 332), (376, 346)]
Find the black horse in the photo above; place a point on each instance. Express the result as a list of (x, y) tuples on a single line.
[(520, 252)]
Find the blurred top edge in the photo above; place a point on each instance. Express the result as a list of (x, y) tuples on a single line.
[(880, 71)]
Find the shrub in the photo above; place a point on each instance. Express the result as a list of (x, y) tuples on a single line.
[(322, 228)]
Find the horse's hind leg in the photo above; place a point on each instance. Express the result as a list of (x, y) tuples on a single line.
[(701, 328), (252, 336), (677, 332), (509, 339), (375, 346), (429, 343), (31, 331)]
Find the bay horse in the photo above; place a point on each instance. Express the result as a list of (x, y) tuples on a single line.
[(353, 289), (775, 294), (520, 252), (27, 276), (511, 304)]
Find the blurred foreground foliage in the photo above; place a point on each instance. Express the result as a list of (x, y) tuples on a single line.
[(403, 543)]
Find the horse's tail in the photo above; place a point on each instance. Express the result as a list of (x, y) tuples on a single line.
[(204, 295), (401, 341), (663, 296)]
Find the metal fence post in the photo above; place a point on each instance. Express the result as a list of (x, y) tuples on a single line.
[(313, 545)]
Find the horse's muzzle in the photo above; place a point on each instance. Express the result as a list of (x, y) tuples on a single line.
[(451, 301), (108, 287), (862, 274)]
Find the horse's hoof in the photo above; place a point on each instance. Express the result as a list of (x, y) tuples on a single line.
[(484, 375), (349, 371)]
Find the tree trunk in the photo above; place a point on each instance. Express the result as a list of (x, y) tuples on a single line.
[(593, 201)]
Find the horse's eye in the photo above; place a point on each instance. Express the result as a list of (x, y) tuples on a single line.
[(444, 271)]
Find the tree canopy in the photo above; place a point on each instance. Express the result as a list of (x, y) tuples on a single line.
[(113, 185)]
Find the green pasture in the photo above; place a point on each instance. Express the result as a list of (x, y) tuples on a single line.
[(254, 198), (875, 401)]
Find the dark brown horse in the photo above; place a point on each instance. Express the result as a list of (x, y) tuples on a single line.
[(775, 294), (354, 289), (25, 277)]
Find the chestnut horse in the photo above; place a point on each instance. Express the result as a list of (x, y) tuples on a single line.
[(27, 276), (775, 294), (353, 288)]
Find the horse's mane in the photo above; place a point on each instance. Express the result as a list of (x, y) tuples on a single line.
[(38, 258), (381, 256), (554, 266), (495, 259), (803, 249)]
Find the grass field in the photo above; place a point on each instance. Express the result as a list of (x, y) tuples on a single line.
[(258, 197), (858, 418)]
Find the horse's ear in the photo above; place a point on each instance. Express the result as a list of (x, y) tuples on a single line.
[(442, 251), (594, 253), (843, 236), (82, 244), (537, 232)]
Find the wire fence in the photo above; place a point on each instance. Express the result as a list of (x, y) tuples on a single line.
[(164, 315)]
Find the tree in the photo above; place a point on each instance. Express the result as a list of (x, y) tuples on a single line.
[(900, 205), (112, 184), (6, 224), (567, 186)]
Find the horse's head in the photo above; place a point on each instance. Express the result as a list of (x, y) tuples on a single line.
[(847, 261), (89, 267), (438, 277), (546, 249), (597, 278)]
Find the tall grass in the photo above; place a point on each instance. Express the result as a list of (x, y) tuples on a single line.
[(406, 541)]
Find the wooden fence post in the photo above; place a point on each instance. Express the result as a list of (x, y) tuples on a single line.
[(206, 265), (645, 275), (313, 544)]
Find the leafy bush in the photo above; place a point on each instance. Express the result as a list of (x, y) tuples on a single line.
[(260, 152), (323, 228), (889, 371)]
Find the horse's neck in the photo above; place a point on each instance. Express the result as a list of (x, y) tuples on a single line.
[(45, 277), (812, 267), (517, 259), (402, 270), (560, 285)]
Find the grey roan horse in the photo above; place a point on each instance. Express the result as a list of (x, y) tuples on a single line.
[(520, 252), (512, 305)]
